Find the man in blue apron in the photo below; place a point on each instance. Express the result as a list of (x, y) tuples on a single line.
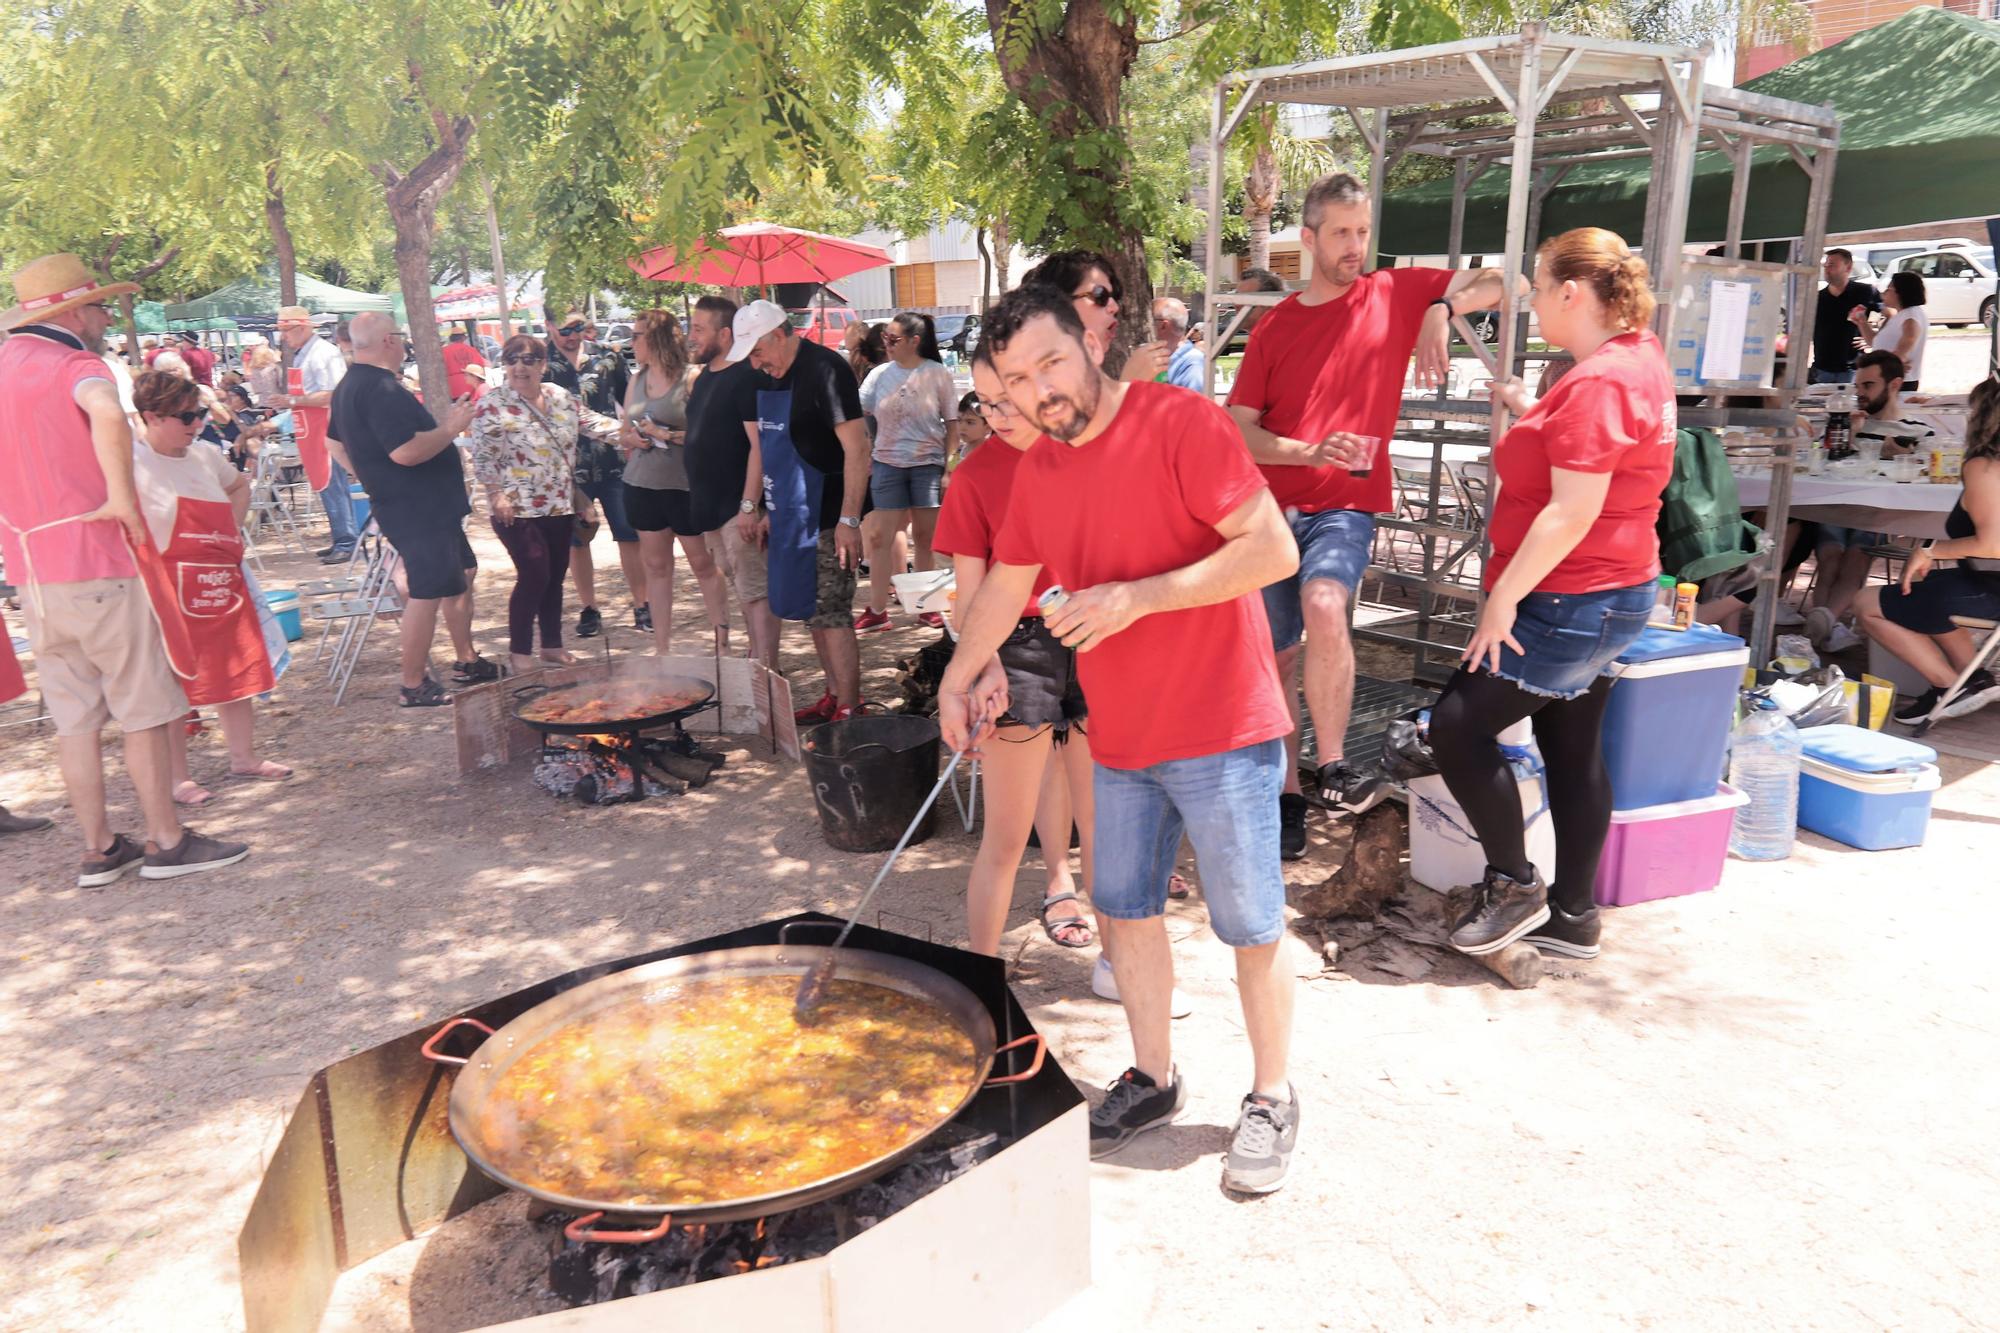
[(814, 447)]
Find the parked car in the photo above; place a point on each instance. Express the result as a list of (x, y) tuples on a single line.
[(824, 324), (958, 333), (1958, 284)]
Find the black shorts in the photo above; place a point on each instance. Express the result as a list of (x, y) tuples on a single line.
[(437, 559), (1949, 591), (649, 510), (1042, 688)]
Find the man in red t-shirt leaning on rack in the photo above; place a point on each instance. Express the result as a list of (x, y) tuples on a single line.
[(1317, 399), (1140, 501)]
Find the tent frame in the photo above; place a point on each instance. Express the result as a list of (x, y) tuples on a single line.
[(1655, 105)]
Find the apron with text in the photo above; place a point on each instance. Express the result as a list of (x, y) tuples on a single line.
[(309, 427), (792, 495), (153, 578), (204, 559), (12, 683)]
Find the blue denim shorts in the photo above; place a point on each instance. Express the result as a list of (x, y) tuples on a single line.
[(1571, 637), (919, 487), (1333, 544), (1832, 534), (1227, 804)]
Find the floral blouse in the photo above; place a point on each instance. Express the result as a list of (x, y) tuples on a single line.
[(528, 453)]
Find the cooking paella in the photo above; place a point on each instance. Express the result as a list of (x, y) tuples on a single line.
[(614, 702), (708, 1089)]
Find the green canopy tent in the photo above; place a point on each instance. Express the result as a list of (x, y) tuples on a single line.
[(256, 297), (150, 316), (1919, 143)]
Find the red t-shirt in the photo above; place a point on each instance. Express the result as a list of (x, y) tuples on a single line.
[(199, 360), (975, 505), (1143, 498), (48, 467), (1613, 413), (458, 356), (1313, 370)]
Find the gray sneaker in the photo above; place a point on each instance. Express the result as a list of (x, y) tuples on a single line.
[(1260, 1156), (192, 855), (101, 868)]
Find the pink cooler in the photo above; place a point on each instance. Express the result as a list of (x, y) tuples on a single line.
[(1664, 851)]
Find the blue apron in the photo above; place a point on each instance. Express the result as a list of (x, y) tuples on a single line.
[(792, 489)]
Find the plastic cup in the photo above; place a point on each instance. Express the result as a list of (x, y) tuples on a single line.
[(1371, 445)]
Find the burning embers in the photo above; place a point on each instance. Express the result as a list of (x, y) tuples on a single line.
[(609, 768), (590, 1273)]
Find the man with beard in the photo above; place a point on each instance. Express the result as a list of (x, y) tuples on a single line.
[(596, 378), (73, 537), (1317, 398), (725, 473), (1143, 505)]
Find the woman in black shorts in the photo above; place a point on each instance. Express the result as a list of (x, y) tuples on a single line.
[(656, 476), (1914, 620), (1045, 707)]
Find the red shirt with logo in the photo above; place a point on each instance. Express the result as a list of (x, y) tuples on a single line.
[(1140, 499), (48, 467), (1311, 370), (975, 506), (1614, 413)]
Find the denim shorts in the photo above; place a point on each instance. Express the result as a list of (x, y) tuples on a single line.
[(1931, 602), (1042, 688), (1227, 804), (1832, 534), (919, 487), (609, 492), (1333, 544), (1571, 637)]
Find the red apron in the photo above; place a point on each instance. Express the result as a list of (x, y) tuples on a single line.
[(203, 563), (310, 431), (12, 683)]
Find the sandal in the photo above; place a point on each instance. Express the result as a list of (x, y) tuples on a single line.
[(430, 694), (1054, 926), (1178, 887), (190, 792), (477, 670), (267, 770)]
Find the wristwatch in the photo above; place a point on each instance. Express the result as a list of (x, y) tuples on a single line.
[(748, 506), (847, 522)]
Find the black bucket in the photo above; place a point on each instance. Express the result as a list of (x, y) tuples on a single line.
[(869, 776)]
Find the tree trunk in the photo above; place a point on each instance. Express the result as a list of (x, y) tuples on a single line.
[(413, 203), (128, 309), (1003, 254), (499, 260), (1260, 191), (985, 270), (281, 237), (1073, 78)]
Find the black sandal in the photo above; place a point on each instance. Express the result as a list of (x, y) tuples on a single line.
[(1072, 924), (430, 694), (477, 670)]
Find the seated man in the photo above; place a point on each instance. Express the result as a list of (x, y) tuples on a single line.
[(416, 483)]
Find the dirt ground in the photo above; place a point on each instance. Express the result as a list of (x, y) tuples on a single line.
[(1769, 1106)]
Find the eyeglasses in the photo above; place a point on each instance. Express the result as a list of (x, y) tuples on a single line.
[(988, 407), (190, 418), (523, 359), (1099, 296)]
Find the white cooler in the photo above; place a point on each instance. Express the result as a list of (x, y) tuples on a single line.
[(1445, 855)]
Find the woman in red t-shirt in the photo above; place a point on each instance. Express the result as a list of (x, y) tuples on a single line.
[(1045, 708), (1569, 586)]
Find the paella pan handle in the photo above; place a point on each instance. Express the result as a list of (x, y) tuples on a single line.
[(429, 1048), (1034, 1067), (579, 1230), (527, 692), (785, 931)]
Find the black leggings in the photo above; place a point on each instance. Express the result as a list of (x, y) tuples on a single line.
[(539, 547), (1474, 710)]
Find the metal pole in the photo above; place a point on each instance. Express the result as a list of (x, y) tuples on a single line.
[(1513, 332), (1213, 259), (1459, 185), (499, 260), (1378, 188)]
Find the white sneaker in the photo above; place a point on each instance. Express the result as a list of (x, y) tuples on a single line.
[(1819, 623), (1104, 985), (1787, 616), (1840, 638)]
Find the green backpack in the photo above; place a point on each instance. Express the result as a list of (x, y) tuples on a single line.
[(1701, 526)]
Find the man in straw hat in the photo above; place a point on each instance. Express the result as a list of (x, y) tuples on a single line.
[(314, 367), (72, 535)]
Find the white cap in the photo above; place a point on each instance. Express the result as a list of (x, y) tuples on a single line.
[(752, 322)]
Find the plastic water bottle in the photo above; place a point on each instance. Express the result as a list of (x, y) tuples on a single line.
[(1764, 765)]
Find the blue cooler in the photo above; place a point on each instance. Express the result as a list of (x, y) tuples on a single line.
[(1864, 788), (361, 507), (1666, 729), (284, 607)]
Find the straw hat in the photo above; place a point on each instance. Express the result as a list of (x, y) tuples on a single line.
[(55, 283)]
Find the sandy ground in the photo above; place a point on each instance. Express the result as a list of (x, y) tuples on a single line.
[(1770, 1106)]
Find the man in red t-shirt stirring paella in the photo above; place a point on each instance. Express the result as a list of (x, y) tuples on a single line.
[(1140, 502), (1317, 398)]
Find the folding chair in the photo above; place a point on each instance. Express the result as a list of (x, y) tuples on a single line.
[(1941, 710), (376, 596)]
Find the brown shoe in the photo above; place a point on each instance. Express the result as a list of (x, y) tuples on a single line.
[(101, 868), (13, 823), (192, 855)]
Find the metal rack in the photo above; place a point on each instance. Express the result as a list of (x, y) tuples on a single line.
[(1611, 100)]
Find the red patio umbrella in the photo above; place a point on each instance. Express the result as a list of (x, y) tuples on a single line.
[(758, 254)]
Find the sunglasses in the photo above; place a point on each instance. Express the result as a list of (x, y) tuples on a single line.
[(571, 330), (523, 359), (190, 418), (1099, 296)]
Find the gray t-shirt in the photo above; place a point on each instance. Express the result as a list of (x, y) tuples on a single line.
[(662, 467), (321, 365), (910, 408)]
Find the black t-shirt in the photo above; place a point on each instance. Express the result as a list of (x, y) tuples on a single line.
[(374, 414), (718, 450), (824, 394), (1833, 334)]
